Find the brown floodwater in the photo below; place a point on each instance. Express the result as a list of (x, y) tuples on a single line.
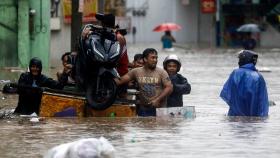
[(210, 134)]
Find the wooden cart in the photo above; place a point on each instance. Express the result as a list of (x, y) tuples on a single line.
[(65, 104)]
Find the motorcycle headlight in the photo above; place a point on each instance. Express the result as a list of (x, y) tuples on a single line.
[(117, 52), (97, 52)]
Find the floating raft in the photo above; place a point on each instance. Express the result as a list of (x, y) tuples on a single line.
[(59, 104)]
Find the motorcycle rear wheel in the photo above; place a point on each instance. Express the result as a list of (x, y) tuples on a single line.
[(104, 97)]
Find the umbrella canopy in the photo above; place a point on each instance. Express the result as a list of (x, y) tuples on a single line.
[(249, 28), (167, 27)]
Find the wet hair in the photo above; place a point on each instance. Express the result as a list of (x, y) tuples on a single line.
[(137, 57), (123, 32), (148, 51), (65, 54)]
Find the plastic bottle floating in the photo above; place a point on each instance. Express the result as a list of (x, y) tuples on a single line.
[(185, 111)]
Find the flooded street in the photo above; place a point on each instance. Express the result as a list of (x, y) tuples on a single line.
[(210, 134)]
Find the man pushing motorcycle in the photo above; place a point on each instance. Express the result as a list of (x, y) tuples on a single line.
[(99, 56), (108, 21), (154, 84)]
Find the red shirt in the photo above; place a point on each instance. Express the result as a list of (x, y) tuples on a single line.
[(122, 67)]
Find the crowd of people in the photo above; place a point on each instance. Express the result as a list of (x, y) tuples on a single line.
[(245, 91)]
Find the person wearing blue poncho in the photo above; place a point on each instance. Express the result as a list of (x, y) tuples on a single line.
[(245, 90)]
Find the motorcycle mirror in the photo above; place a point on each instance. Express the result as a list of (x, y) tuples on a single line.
[(99, 16)]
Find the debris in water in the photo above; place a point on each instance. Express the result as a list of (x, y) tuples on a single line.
[(87, 147), (133, 138), (34, 120), (112, 114), (31, 115), (272, 103), (4, 81), (6, 114), (264, 69)]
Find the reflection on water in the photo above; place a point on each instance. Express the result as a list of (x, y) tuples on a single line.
[(210, 134)]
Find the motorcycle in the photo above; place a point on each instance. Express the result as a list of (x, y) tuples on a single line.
[(96, 66)]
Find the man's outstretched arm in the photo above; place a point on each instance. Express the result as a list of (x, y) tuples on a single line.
[(124, 79)]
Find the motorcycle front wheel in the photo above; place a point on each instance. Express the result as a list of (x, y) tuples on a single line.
[(104, 97)]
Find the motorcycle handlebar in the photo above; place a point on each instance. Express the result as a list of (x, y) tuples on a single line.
[(96, 29), (99, 30), (103, 32)]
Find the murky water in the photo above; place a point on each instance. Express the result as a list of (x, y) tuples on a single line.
[(210, 134)]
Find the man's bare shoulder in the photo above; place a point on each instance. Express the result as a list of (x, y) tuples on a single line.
[(136, 70), (160, 70)]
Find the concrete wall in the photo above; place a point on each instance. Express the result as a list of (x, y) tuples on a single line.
[(196, 27), (270, 37), (187, 17), (32, 32), (60, 40), (8, 33), (40, 37), (23, 34), (158, 11)]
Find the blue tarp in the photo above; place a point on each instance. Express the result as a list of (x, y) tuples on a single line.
[(245, 92)]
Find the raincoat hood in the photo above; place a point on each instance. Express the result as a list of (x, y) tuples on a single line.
[(36, 61), (246, 57)]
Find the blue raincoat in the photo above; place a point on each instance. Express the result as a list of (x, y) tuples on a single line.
[(245, 92)]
